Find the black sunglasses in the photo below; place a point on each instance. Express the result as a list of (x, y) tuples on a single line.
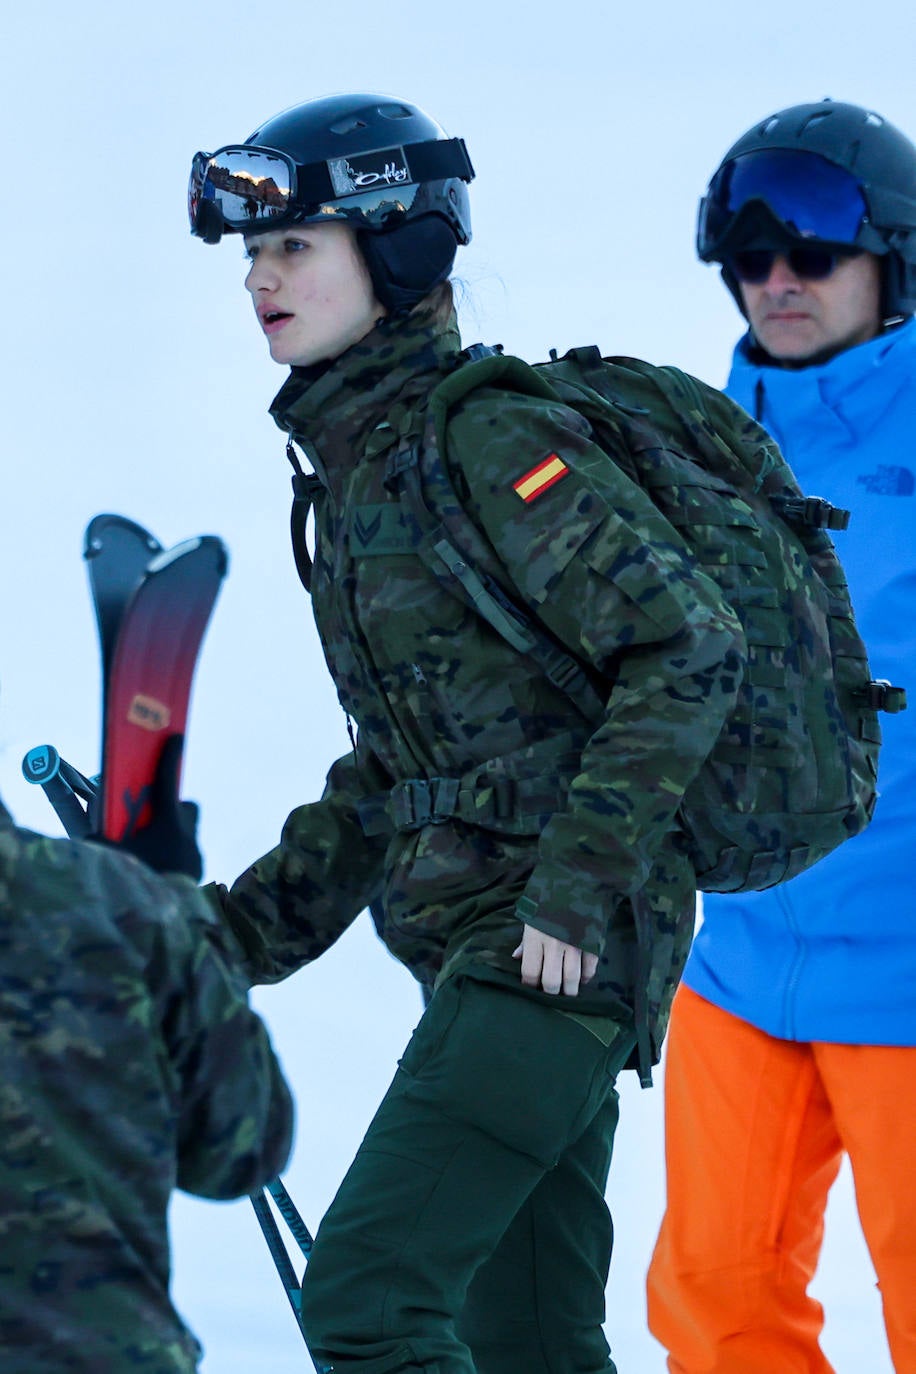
[(754, 265)]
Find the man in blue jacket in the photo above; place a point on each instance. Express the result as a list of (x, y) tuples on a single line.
[(793, 1035)]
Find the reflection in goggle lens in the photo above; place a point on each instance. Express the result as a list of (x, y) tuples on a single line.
[(248, 187)]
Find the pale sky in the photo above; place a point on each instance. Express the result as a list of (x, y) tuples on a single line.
[(135, 380)]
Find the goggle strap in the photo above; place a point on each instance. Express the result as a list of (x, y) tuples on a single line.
[(437, 159), (431, 160), (313, 184)]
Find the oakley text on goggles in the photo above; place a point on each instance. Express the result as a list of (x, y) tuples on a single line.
[(812, 197), (244, 188)]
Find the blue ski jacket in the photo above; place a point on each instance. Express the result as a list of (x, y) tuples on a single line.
[(831, 955)]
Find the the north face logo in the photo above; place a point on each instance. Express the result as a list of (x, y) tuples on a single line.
[(889, 480)]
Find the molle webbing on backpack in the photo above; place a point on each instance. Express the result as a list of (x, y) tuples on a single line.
[(794, 771)]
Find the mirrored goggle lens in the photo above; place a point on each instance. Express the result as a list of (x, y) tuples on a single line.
[(810, 195), (250, 187), (754, 265)]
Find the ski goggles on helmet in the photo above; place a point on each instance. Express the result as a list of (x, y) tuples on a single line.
[(809, 196), (754, 265), (245, 189)]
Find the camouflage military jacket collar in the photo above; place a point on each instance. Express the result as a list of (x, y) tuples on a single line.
[(332, 413)]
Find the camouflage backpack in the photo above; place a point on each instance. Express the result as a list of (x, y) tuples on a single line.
[(794, 771)]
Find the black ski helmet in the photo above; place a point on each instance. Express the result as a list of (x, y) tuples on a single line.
[(375, 162), (842, 152)]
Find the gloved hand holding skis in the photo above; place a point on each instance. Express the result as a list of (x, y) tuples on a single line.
[(168, 842)]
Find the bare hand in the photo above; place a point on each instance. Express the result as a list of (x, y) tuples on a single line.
[(553, 965)]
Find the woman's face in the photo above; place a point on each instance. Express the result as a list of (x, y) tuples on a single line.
[(311, 292)]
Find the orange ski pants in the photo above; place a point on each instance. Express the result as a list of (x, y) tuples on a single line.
[(755, 1129)]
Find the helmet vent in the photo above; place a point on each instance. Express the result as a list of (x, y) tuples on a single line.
[(346, 126), (874, 120), (394, 112)]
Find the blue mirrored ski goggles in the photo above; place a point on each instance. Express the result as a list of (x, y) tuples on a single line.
[(246, 189), (811, 197)]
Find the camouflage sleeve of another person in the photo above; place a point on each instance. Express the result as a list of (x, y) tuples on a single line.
[(292, 904), (609, 577), (197, 1068), (235, 1113)]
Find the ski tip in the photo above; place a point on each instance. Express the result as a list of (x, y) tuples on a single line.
[(106, 524), (41, 764), (210, 543)]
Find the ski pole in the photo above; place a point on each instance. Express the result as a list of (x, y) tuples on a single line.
[(278, 1251), (291, 1215), (63, 785)]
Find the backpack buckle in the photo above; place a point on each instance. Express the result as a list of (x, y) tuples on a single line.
[(420, 801), (812, 511), (879, 695), (399, 462), (476, 351)]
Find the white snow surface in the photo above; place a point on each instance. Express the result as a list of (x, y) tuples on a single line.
[(135, 380)]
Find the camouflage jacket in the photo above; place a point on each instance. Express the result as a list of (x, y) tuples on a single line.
[(548, 819), (130, 1063)]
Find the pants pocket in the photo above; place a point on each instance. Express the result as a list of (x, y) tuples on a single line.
[(509, 1066)]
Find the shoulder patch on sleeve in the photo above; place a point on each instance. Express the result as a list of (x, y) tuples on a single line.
[(536, 481)]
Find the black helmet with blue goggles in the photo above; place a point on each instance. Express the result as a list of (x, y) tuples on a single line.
[(829, 174), (800, 194)]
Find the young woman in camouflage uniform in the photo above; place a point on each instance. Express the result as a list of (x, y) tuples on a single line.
[(526, 861)]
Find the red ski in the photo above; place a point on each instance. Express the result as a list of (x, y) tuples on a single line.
[(152, 606), (149, 679)]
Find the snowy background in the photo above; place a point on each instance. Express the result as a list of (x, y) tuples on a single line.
[(135, 380)]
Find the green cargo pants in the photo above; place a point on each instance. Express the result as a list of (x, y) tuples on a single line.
[(471, 1233)]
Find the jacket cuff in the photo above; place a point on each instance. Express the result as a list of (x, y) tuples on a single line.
[(581, 924)]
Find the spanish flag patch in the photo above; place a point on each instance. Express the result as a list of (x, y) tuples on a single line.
[(541, 477)]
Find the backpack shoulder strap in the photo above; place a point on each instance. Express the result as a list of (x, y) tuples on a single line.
[(306, 486), (455, 548)]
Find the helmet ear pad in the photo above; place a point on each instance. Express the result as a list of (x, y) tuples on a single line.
[(407, 262), (898, 281)]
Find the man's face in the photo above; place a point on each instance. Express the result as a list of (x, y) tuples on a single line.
[(799, 321)]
